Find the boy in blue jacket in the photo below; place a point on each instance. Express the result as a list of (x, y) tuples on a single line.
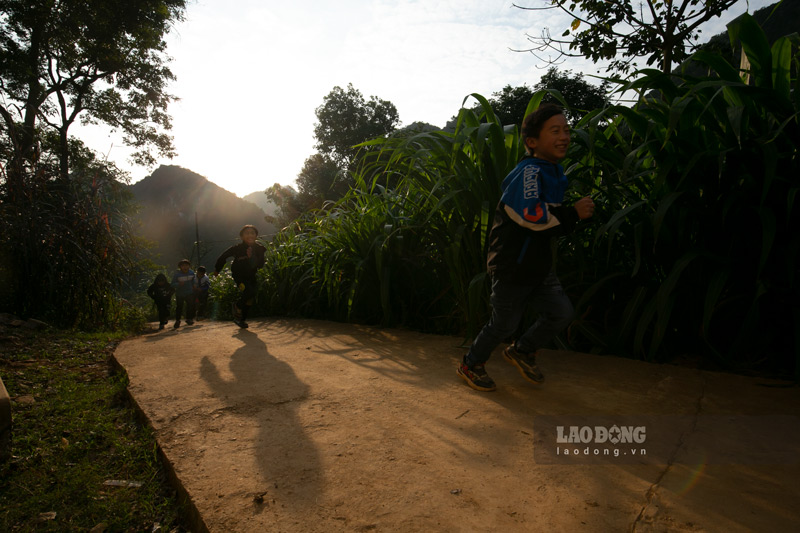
[(529, 215)]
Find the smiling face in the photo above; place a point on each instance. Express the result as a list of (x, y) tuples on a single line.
[(553, 140), (249, 236)]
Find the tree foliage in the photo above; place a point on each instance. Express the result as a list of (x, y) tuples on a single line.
[(510, 103), (663, 32), (581, 96), (100, 60), (693, 251), (413, 129), (321, 180), (67, 246), (346, 119), (697, 250), (290, 204)]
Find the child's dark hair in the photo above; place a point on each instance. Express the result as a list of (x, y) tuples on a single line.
[(248, 226), (160, 277), (201, 270), (532, 125)]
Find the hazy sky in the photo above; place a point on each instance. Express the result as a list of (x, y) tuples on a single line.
[(251, 73)]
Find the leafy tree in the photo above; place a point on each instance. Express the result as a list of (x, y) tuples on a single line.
[(102, 60), (413, 129), (67, 259), (510, 103), (581, 96), (347, 119), (662, 32), (320, 180), (290, 206)]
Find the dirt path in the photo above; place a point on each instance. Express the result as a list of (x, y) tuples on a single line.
[(298, 426)]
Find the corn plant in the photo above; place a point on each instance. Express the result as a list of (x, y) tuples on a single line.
[(407, 245), (697, 248)]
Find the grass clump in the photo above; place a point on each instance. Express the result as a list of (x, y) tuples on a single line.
[(81, 460)]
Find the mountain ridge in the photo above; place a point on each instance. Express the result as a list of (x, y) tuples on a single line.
[(177, 204)]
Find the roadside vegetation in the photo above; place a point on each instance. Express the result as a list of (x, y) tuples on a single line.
[(81, 459), (692, 252)]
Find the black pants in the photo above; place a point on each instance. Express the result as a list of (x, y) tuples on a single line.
[(247, 294), (163, 311), (179, 303), (202, 303)]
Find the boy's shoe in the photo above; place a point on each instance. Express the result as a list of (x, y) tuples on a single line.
[(161, 326), (476, 377), (525, 363), (177, 324), (190, 322), (241, 323)]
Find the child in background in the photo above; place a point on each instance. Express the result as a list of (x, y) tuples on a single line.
[(248, 257), (161, 292), (203, 284), (185, 284)]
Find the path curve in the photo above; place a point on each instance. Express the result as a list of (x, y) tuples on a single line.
[(301, 426)]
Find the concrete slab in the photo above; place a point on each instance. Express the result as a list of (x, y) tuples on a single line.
[(300, 425)]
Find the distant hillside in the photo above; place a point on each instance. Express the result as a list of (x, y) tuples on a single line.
[(169, 200), (261, 200)]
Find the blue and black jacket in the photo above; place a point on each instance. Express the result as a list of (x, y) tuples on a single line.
[(528, 217), (184, 283)]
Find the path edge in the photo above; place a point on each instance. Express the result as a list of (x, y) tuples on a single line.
[(191, 513)]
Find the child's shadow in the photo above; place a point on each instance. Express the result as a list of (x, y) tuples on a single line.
[(268, 390)]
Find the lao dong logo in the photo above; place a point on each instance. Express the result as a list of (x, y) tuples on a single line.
[(600, 434)]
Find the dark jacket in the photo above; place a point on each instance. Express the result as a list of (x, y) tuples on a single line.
[(243, 267), (161, 294), (528, 217)]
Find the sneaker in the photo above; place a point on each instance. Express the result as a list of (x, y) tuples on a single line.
[(177, 324), (160, 326), (241, 323), (190, 322), (525, 363), (476, 377)]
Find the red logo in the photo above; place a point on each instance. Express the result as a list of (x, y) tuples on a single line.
[(539, 214)]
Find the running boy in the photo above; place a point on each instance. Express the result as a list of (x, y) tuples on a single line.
[(185, 284), (528, 216), (248, 257)]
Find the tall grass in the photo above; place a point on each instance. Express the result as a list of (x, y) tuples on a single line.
[(695, 243), (698, 247), (407, 245)]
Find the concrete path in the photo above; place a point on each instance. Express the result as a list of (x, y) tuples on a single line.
[(300, 425)]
